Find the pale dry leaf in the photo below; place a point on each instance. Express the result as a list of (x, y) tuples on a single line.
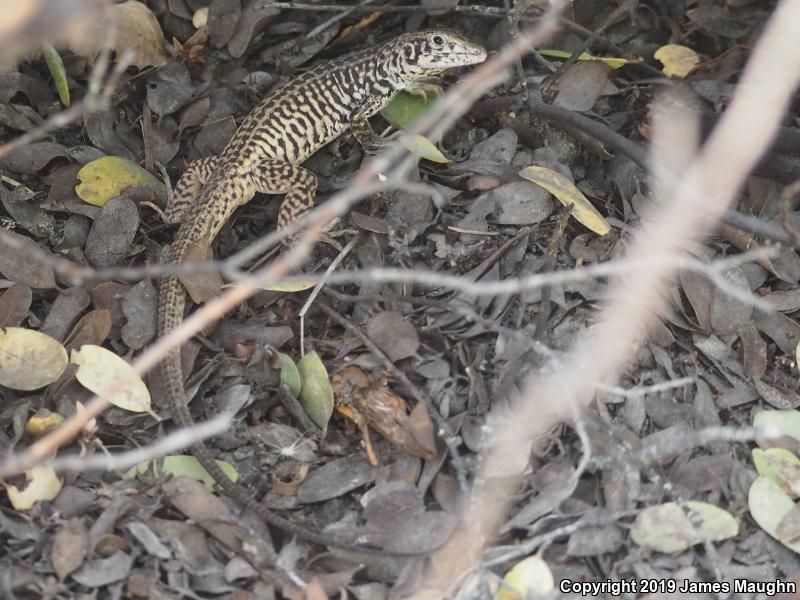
[(99, 369), (137, 29), (29, 359), (43, 484)]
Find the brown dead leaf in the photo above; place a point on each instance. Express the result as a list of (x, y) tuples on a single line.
[(137, 29), (23, 261), (69, 548), (93, 328), (201, 286), (393, 334), (14, 305)]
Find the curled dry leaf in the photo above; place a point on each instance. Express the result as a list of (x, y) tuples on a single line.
[(372, 404), (43, 484), (566, 192), (99, 369), (29, 359)]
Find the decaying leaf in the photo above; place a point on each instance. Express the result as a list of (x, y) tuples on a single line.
[(372, 404), (105, 178), (29, 359), (566, 192), (43, 484), (678, 60), (316, 393), (99, 369)]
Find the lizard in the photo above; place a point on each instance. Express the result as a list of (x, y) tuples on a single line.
[(264, 155)]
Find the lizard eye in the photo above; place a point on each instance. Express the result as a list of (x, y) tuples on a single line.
[(438, 41)]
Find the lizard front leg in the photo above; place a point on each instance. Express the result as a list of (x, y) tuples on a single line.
[(188, 188), (360, 125)]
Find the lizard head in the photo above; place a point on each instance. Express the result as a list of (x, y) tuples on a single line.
[(429, 52)]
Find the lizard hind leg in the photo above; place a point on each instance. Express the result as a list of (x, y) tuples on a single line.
[(299, 185), (188, 188)]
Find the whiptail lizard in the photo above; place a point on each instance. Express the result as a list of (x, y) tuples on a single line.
[(263, 156)]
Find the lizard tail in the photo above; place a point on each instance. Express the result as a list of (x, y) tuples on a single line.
[(172, 303)]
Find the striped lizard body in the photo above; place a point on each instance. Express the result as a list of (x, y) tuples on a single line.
[(264, 156)]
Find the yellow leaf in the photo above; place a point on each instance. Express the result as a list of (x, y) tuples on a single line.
[(56, 67), (611, 61), (29, 359), (99, 369), (42, 422), (566, 192), (43, 484), (316, 393), (179, 464), (105, 178), (529, 577), (424, 148), (678, 60)]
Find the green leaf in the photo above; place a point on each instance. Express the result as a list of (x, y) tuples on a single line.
[(56, 67), (666, 528), (613, 62), (179, 464), (316, 394), (290, 375), (403, 111), (566, 192), (105, 178), (406, 108)]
